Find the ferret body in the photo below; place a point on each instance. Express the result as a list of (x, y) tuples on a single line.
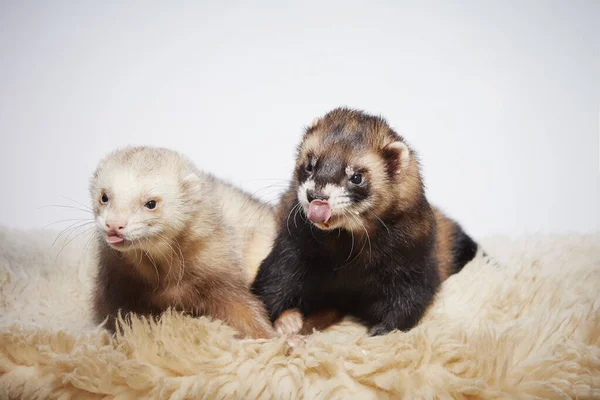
[(357, 235), (170, 236)]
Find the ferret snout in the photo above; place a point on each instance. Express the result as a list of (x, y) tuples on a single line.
[(314, 195), (116, 225)]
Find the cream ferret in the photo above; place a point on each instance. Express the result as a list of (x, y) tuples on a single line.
[(170, 235)]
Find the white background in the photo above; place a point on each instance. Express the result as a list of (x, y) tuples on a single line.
[(501, 99)]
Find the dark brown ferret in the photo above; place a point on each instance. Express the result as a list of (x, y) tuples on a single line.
[(172, 236), (357, 235)]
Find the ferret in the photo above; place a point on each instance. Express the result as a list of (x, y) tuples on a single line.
[(356, 233), (171, 236)]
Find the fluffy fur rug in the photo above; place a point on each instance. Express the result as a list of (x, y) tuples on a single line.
[(526, 326)]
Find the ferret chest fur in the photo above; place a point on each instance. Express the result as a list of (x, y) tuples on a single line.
[(351, 272)]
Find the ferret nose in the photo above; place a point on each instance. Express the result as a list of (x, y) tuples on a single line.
[(116, 225), (314, 195)]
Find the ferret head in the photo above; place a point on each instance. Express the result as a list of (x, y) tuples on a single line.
[(142, 196), (352, 169)]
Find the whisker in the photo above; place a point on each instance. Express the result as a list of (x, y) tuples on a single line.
[(313, 233), (298, 209), (68, 229), (253, 195), (287, 223), (261, 210), (351, 223), (367, 233), (345, 212), (68, 220), (78, 227), (88, 242), (154, 265), (75, 237), (270, 179), (182, 272), (173, 253), (69, 207), (327, 232), (141, 258), (382, 223), (172, 260), (76, 202)]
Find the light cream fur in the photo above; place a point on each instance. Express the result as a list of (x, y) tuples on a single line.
[(254, 224), (185, 196), (527, 327)]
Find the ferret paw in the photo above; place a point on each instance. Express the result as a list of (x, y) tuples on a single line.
[(294, 341), (379, 330), (289, 322)]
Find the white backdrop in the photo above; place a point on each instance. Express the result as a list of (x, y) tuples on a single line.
[(501, 100)]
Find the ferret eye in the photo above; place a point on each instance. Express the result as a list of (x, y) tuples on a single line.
[(356, 179), (104, 198), (309, 167), (151, 205)]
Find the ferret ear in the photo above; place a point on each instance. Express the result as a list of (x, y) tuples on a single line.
[(397, 156), (191, 182), (191, 177)]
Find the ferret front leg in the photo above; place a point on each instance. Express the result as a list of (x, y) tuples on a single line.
[(294, 322), (393, 321), (279, 283), (246, 315), (401, 312), (289, 322)]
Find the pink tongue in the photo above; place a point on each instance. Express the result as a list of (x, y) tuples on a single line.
[(319, 211), (112, 239)]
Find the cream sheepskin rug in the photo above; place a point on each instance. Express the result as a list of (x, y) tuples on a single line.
[(525, 326)]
